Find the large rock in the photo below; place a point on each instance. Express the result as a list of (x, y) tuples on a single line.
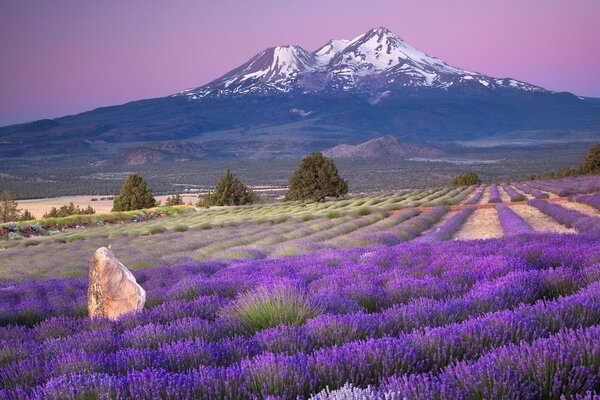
[(112, 289)]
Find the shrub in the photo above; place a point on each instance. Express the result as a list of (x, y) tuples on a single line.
[(307, 218), (364, 211), (134, 195), (175, 200), (67, 210), (466, 179), (333, 214), (31, 243), (206, 227), (268, 306), (315, 179), (157, 229), (229, 191), (181, 228), (591, 162), (26, 216)]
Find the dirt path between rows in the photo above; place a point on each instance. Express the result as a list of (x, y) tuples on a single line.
[(482, 224)]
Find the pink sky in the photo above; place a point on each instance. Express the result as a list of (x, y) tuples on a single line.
[(62, 57)]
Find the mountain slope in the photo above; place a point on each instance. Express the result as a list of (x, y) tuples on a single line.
[(286, 101), (385, 146), (377, 60)]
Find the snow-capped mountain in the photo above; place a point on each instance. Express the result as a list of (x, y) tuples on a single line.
[(377, 62)]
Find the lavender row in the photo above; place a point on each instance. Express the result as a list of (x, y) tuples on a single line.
[(361, 363), (512, 223), (153, 345), (449, 228), (538, 194), (512, 193), (590, 200), (476, 197), (566, 365), (494, 195), (570, 218), (457, 261)]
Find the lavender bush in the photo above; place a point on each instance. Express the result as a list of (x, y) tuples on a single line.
[(494, 195), (449, 228), (416, 320), (590, 200), (512, 193), (512, 223)]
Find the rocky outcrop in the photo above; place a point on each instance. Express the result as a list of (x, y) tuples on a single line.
[(112, 289), (385, 146)]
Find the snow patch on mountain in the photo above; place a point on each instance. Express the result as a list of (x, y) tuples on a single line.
[(377, 61)]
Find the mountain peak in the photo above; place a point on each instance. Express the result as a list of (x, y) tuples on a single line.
[(376, 63)]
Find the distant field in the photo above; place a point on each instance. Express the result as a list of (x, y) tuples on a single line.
[(39, 207)]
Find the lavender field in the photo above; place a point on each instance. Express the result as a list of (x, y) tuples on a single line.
[(370, 297)]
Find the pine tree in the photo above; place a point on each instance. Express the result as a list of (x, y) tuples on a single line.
[(230, 191), (591, 163), (26, 216), (8, 207), (315, 179), (467, 179), (175, 200), (134, 195)]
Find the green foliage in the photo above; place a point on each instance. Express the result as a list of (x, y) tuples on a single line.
[(364, 211), (466, 179), (591, 162), (26, 216), (267, 307), (157, 229), (333, 214), (67, 210), (230, 191), (181, 228), (315, 179), (134, 195), (8, 207), (175, 200)]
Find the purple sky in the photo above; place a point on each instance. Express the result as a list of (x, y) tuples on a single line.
[(66, 56)]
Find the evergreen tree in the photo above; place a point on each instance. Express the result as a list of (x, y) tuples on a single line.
[(8, 207), (175, 200), (134, 195), (68, 209), (591, 162), (26, 216), (230, 191), (315, 179), (467, 179)]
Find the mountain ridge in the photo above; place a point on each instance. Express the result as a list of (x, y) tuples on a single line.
[(286, 101), (377, 60)]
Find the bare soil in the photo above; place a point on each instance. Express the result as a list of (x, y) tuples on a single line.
[(540, 221), (485, 196), (482, 224), (503, 195), (38, 207), (584, 208)]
